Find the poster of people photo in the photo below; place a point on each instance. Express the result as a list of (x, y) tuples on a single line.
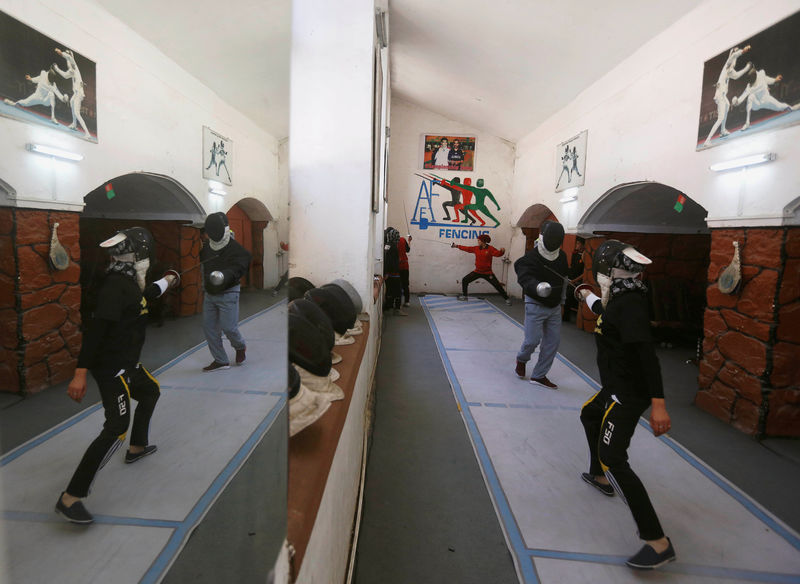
[(448, 152), (45, 82), (752, 86), (217, 157)]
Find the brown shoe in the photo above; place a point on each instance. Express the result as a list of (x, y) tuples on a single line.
[(520, 369), (240, 356), (216, 366), (544, 382)]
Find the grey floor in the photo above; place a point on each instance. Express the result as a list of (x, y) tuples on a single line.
[(239, 537), (427, 514)]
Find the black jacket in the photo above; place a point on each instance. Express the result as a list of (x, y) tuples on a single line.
[(232, 260), (532, 269)]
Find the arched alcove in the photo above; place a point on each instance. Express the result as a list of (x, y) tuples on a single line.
[(533, 216), (248, 219), (143, 196), (791, 216), (8, 194), (644, 207), (160, 204), (531, 220), (670, 228)]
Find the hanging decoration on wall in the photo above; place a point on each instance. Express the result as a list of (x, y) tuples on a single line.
[(44, 82), (462, 203), (752, 86), (59, 258), (217, 157), (571, 162), (441, 152)]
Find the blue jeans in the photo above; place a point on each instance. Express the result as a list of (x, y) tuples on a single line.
[(542, 325), (221, 315)]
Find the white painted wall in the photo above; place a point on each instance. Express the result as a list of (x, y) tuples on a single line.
[(642, 120), (334, 233), (330, 149), (433, 265), (150, 118)]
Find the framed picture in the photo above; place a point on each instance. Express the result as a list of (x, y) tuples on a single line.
[(753, 86), (46, 83), (377, 129), (571, 162), (445, 152), (217, 157)]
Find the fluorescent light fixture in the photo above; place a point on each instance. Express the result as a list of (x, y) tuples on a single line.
[(743, 162), (215, 191), (55, 152), (569, 195), (213, 184)]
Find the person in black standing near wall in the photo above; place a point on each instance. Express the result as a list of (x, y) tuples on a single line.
[(112, 344), (391, 271), (403, 247), (631, 382)]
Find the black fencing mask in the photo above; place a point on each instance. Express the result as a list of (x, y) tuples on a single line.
[(552, 235), (215, 226)]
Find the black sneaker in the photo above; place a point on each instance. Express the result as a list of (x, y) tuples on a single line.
[(240, 356), (76, 513), (216, 366), (607, 490), (148, 450), (648, 559), (544, 382), (520, 370)]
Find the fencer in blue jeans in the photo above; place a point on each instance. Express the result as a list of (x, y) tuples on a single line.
[(225, 262), (541, 273), (542, 329), (221, 315)]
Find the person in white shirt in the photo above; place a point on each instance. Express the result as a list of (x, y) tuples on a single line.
[(441, 156), (721, 94), (46, 93), (758, 96), (78, 92)]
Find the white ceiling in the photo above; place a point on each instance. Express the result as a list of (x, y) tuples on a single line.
[(238, 48), (502, 66)]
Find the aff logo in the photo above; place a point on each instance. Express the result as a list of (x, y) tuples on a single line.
[(607, 433), (122, 404)]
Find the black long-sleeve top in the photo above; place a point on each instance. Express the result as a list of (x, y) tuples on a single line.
[(626, 357), (233, 261), (114, 336)]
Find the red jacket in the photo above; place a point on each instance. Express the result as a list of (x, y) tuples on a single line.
[(483, 257), (402, 248)]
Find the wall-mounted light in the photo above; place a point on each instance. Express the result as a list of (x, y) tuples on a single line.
[(216, 188), (54, 152), (743, 162), (569, 195)]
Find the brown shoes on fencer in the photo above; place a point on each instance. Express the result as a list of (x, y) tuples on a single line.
[(544, 382)]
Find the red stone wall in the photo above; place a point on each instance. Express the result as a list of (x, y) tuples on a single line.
[(9, 338), (676, 278), (191, 297), (39, 305), (750, 373)]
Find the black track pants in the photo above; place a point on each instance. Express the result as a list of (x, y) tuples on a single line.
[(116, 392), (491, 278), (609, 427)]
